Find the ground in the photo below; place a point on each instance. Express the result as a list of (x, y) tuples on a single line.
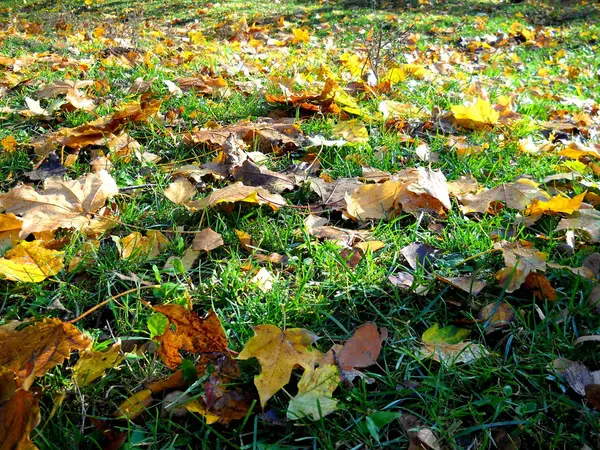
[(534, 62)]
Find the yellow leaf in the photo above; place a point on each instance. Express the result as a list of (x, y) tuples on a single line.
[(557, 204), (98, 32), (475, 116), (149, 246), (30, 262), (278, 352), (92, 364), (314, 397), (10, 227), (301, 35), (134, 405), (195, 406), (352, 130)]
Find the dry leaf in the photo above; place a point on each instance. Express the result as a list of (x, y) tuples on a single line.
[(585, 220), (237, 192), (192, 334), (467, 283), (19, 415), (134, 405), (475, 116), (49, 343), (519, 261), (252, 175), (62, 204), (557, 204), (150, 246), (30, 262), (353, 131), (278, 352), (315, 390), (91, 364), (373, 201), (517, 195), (207, 240), (496, 315)]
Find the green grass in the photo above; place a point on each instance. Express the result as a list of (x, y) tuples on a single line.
[(464, 405)]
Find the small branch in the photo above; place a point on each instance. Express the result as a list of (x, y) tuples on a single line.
[(114, 297)]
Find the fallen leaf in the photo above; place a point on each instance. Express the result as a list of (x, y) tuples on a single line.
[(48, 342), (278, 352), (315, 390), (360, 351), (557, 204), (446, 345), (30, 262), (585, 220), (134, 405), (191, 334), (467, 283), (180, 191), (419, 437), (238, 192), (207, 240), (251, 174), (9, 144), (62, 204), (19, 415), (263, 279), (92, 364), (520, 261), (150, 246), (353, 131), (540, 286), (475, 116), (420, 255), (373, 201), (10, 228), (517, 195), (496, 315)]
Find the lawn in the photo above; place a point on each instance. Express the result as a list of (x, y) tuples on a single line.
[(375, 170)]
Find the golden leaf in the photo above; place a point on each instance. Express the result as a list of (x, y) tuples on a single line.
[(30, 262), (91, 364), (476, 116), (278, 352)]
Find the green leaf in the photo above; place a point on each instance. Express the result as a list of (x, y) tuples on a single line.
[(157, 324), (446, 335)]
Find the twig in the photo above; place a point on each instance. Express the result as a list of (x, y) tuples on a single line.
[(114, 297)]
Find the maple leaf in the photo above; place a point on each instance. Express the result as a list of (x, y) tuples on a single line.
[(238, 192), (278, 352), (30, 262), (374, 201), (446, 345), (475, 116), (19, 415), (92, 364), (353, 131), (520, 261), (137, 246), (540, 286), (207, 240), (557, 204), (517, 195), (61, 204), (360, 351), (585, 220), (315, 390), (10, 228), (48, 343), (192, 334)]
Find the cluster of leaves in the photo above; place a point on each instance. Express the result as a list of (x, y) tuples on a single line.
[(56, 218)]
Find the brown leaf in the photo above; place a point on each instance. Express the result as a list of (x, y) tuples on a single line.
[(496, 315), (592, 395), (192, 334), (467, 283), (48, 343), (540, 286), (425, 190), (180, 191), (373, 201), (19, 415), (317, 226), (207, 240), (253, 175), (517, 195), (238, 192), (519, 262), (585, 220), (360, 351), (62, 204), (334, 193)]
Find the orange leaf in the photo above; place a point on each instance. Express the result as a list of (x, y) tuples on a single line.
[(557, 204), (192, 334), (48, 343), (19, 415)]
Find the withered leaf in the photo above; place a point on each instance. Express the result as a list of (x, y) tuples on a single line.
[(19, 415), (30, 262), (586, 221), (315, 390), (207, 240), (134, 405), (61, 204), (192, 334), (92, 364), (253, 175), (520, 261), (278, 352), (466, 283), (238, 192), (47, 343), (517, 195)]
